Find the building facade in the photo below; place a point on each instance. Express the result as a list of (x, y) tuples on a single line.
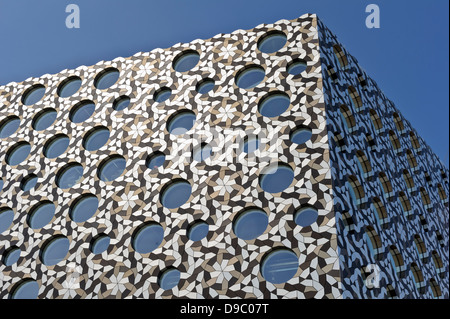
[(258, 164)]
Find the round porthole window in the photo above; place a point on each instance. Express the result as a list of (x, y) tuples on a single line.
[(69, 175), (33, 95), (198, 230), (25, 289), (155, 160), (82, 111), (205, 85), (147, 237), (180, 122), (17, 153), (186, 60), (28, 182), (95, 138), (296, 67), (274, 104), (162, 94), (276, 178), (69, 86), (272, 42), (41, 214), (306, 216), (169, 278), (6, 218), (9, 126), (175, 193), (56, 146), (250, 224), (100, 243), (106, 78), (250, 76), (44, 119), (300, 135), (121, 103), (251, 144), (54, 250), (11, 255), (83, 208), (201, 152), (279, 265), (111, 168)]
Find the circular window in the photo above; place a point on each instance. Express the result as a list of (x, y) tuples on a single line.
[(201, 152), (69, 175), (54, 250), (251, 144), (169, 278), (147, 238), (111, 168), (306, 216), (69, 86), (96, 138), (162, 94), (11, 256), (272, 42), (6, 218), (296, 66), (204, 86), (100, 243), (83, 208), (41, 214), (1, 184), (175, 193), (28, 182), (56, 146), (25, 289), (186, 60), (121, 103), (106, 78), (44, 119), (274, 104), (198, 230), (280, 265), (155, 160), (250, 76), (82, 111), (276, 178), (300, 135), (250, 224), (9, 126), (18, 153), (33, 94), (181, 122)]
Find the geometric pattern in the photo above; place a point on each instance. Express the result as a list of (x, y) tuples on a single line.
[(220, 265)]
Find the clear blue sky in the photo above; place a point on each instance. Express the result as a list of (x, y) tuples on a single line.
[(408, 56)]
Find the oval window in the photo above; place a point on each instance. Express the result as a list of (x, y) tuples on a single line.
[(69, 86), (82, 111), (250, 76), (147, 238), (274, 104), (96, 138), (106, 78), (56, 146), (54, 250), (276, 178), (33, 95), (279, 266), (44, 119), (18, 153), (83, 208), (111, 168), (250, 224), (69, 175), (41, 214), (272, 41), (9, 126), (181, 122), (186, 60), (175, 193)]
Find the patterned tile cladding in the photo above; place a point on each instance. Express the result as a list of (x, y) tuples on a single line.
[(397, 228), (220, 265)]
